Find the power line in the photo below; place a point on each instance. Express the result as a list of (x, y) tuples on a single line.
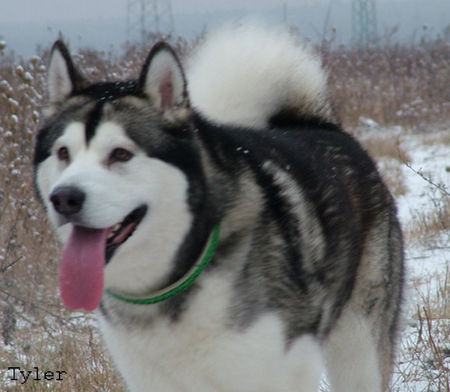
[(144, 16), (364, 23)]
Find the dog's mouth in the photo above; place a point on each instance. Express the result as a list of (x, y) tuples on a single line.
[(84, 258), (123, 230)]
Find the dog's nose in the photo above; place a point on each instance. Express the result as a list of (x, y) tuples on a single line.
[(67, 200)]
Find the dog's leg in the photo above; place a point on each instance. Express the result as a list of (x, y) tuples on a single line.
[(352, 360), (359, 350), (309, 368)]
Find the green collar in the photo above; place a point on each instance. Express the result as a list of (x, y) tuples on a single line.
[(182, 284)]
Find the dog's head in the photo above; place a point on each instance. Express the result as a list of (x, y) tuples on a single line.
[(114, 166)]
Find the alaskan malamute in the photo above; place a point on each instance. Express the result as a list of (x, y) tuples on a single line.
[(231, 236)]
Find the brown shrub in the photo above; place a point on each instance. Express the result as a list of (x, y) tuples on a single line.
[(392, 84), (427, 225)]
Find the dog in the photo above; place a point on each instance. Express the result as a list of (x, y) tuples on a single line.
[(229, 234)]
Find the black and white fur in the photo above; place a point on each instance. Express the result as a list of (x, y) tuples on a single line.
[(309, 267)]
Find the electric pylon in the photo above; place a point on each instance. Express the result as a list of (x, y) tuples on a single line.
[(364, 23), (144, 16)]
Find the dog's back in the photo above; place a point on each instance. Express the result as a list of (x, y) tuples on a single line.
[(346, 218)]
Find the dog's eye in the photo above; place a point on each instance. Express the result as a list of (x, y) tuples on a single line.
[(63, 154), (120, 155)]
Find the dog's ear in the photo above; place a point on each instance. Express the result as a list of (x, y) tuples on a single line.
[(63, 79), (162, 79)]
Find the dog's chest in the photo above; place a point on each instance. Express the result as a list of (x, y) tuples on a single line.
[(202, 353)]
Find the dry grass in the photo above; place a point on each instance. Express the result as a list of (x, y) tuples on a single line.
[(426, 226), (425, 349), (393, 86), (385, 146), (36, 330), (439, 138)]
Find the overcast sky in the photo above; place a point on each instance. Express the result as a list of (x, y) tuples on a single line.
[(27, 10), (20, 10), (101, 24)]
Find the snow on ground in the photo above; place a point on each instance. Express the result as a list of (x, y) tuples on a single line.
[(433, 160), (427, 267)]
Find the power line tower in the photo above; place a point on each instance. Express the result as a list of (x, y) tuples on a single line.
[(364, 23), (144, 16)]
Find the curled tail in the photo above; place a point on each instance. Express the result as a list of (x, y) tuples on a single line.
[(249, 75)]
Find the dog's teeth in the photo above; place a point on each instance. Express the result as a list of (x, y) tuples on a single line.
[(114, 230)]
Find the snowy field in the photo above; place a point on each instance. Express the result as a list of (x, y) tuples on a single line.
[(423, 363)]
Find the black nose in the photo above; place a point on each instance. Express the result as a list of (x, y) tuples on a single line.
[(67, 200)]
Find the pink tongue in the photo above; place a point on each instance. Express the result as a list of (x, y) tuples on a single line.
[(81, 271)]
